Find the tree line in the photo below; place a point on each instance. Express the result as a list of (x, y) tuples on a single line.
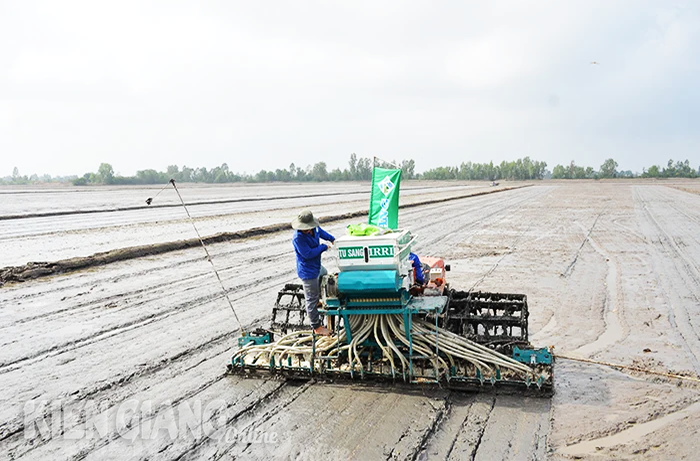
[(677, 170), (609, 170), (521, 169), (360, 169), (18, 179)]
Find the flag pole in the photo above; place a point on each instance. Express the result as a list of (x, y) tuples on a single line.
[(384, 161)]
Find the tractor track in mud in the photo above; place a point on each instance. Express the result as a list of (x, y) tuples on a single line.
[(106, 333), (612, 312), (257, 418), (89, 305), (179, 353), (216, 345), (147, 371), (454, 229), (679, 316), (481, 432)]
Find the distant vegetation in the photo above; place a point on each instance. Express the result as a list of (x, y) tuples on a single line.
[(360, 169), (609, 170), (679, 170), (521, 169), (17, 178)]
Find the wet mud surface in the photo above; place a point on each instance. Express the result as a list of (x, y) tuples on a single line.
[(611, 271), (118, 218), (34, 270)]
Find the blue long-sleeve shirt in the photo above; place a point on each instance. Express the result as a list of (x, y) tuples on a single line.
[(308, 249), (417, 268)]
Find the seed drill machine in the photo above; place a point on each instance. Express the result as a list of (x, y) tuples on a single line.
[(388, 328)]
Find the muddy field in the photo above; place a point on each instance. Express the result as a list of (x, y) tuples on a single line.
[(107, 362)]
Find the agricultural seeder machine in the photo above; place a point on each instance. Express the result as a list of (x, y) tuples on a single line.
[(388, 328)]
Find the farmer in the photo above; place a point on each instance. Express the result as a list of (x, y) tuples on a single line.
[(417, 268), (308, 249)]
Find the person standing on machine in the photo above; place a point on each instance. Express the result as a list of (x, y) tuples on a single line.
[(417, 268), (308, 250)]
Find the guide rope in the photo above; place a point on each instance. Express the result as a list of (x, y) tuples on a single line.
[(628, 367), (150, 200)]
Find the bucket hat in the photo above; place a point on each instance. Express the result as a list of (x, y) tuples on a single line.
[(305, 221)]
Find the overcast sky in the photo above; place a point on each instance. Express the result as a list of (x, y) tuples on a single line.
[(258, 85)]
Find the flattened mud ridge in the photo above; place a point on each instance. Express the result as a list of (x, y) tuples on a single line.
[(33, 270)]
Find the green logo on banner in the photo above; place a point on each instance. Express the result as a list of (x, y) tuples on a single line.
[(386, 186)]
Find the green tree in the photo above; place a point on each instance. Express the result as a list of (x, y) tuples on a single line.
[(441, 172), (150, 176), (201, 175), (364, 169), (683, 169), (669, 171), (87, 178), (261, 176), (353, 166), (559, 172), (608, 169), (187, 174), (173, 172), (105, 173), (408, 169), (338, 175), (578, 172), (319, 172)]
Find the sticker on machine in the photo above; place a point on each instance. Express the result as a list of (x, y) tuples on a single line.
[(351, 253), (381, 251)]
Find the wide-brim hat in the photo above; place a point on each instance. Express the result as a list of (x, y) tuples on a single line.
[(305, 221)]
